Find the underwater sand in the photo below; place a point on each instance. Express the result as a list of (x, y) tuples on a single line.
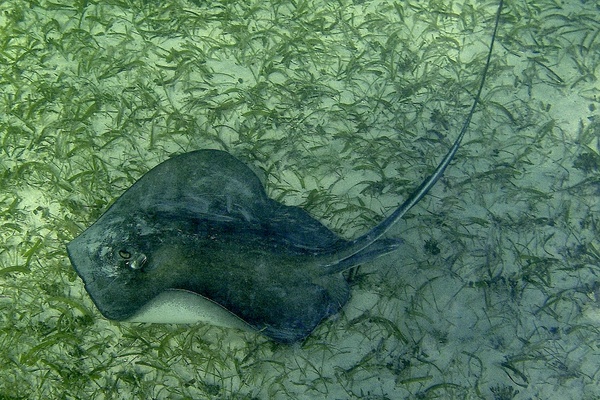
[(343, 108)]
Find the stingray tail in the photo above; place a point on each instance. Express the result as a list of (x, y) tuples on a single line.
[(363, 245)]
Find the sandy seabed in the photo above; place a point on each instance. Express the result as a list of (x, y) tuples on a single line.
[(342, 108)]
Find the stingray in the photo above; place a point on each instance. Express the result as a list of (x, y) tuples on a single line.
[(197, 239)]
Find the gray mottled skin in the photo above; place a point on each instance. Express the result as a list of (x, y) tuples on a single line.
[(202, 222)]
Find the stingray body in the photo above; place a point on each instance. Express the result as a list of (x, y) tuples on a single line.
[(198, 233), (201, 222)]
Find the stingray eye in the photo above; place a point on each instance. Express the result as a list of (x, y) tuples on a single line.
[(135, 262), (124, 254)]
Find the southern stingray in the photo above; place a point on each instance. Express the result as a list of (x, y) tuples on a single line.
[(197, 238)]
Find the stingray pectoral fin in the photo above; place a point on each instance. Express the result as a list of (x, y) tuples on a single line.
[(374, 250), (297, 227), (184, 307)]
